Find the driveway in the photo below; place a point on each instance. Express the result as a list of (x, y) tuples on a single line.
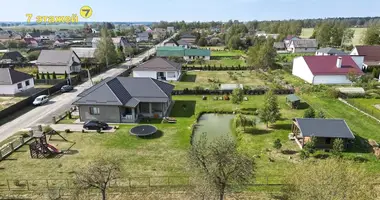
[(61, 103)]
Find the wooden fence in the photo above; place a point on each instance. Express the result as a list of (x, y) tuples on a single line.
[(12, 146), (131, 182)]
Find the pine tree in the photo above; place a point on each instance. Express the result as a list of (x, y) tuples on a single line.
[(47, 75), (42, 76), (309, 113), (54, 76), (38, 76), (321, 114), (270, 112), (105, 52)]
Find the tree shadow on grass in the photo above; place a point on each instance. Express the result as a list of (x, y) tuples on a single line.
[(256, 131), (303, 106), (189, 78), (359, 145), (183, 109), (287, 127)]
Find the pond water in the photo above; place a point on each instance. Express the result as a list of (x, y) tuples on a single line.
[(214, 125)]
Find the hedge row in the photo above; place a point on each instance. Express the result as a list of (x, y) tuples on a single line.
[(221, 92)]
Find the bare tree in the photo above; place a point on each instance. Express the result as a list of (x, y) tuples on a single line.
[(98, 174), (220, 163)]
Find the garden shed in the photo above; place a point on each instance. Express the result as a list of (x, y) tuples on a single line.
[(293, 100)]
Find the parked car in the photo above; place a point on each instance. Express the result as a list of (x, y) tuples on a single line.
[(41, 100), (95, 125), (66, 88)]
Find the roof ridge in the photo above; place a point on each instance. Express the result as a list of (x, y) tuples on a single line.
[(10, 76), (106, 83), (158, 86)]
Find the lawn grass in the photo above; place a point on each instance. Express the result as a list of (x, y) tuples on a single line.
[(28, 70), (224, 62), (367, 105), (212, 79), (233, 53), (214, 47), (357, 40), (5, 102)]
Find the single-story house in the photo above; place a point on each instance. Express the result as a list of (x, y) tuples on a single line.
[(324, 130), (125, 100), (58, 61), (84, 52), (144, 36), (192, 54), (293, 100), (330, 52), (159, 68), (35, 35), (47, 35), (188, 38), (326, 69), (171, 43), (303, 46), (13, 82), (289, 39), (184, 43), (12, 57), (371, 54), (279, 46)]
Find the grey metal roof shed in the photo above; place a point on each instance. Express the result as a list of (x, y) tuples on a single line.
[(325, 128), (293, 100)]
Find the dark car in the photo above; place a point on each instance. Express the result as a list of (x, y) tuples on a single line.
[(95, 125), (66, 88)]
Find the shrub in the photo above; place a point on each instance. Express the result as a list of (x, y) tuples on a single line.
[(47, 75), (17, 183), (304, 155), (310, 145), (321, 114), (66, 75), (277, 144), (309, 113), (67, 131), (42, 75), (37, 76), (333, 93), (54, 76), (226, 97), (47, 129), (338, 147)]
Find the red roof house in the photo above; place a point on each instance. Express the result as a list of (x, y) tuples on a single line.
[(327, 69), (371, 54)]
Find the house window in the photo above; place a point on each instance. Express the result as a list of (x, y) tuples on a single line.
[(27, 83), (171, 74), (19, 85), (328, 140), (94, 111)]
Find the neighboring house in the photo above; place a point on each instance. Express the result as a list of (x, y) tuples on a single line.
[(184, 43), (144, 36), (32, 43), (125, 100), (303, 46), (159, 68), (171, 43), (187, 54), (192, 54), (13, 82), (170, 29), (62, 34), (330, 52), (279, 46), (84, 52), (371, 55), (12, 57), (188, 38), (117, 41), (289, 39), (47, 35), (159, 33), (58, 61), (5, 36), (35, 35), (59, 43), (326, 69), (324, 130)]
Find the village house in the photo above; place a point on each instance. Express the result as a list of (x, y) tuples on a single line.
[(303, 46), (142, 37), (58, 61), (330, 52), (13, 82), (371, 55), (159, 68), (327, 69)]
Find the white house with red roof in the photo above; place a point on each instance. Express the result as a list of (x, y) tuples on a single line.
[(327, 69)]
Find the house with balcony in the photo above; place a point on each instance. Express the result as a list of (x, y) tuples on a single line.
[(125, 100)]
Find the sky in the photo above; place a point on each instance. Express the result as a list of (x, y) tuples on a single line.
[(191, 10)]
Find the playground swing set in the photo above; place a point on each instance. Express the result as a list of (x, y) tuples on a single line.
[(40, 148)]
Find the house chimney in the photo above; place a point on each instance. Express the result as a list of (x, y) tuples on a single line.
[(339, 62)]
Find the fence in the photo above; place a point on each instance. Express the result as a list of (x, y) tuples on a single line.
[(131, 182), (221, 92), (216, 68), (371, 111), (12, 146)]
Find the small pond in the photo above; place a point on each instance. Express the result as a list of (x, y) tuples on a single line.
[(214, 125)]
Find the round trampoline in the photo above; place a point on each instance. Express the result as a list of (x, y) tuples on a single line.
[(143, 130)]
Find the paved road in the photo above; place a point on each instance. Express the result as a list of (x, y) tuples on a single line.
[(61, 103)]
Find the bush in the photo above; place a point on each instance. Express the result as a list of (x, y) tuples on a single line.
[(67, 131), (309, 113), (333, 93), (304, 155), (47, 75), (42, 76), (47, 129), (54, 76), (277, 144)]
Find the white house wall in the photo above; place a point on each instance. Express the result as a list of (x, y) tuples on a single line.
[(304, 50), (359, 60), (12, 89), (301, 70), (150, 74), (56, 69), (331, 79), (354, 52)]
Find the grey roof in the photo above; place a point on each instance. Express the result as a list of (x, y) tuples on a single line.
[(13, 55), (125, 91), (327, 128), (182, 42), (55, 57), (279, 45), (292, 98), (9, 76), (171, 41), (187, 36), (305, 43), (143, 34), (84, 52), (158, 64), (332, 51)]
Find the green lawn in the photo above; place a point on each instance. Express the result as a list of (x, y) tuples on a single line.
[(227, 53), (367, 105), (212, 79), (5, 102), (224, 62), (308, 32)]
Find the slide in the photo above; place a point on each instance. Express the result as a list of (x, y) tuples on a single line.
[(53, 149)]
